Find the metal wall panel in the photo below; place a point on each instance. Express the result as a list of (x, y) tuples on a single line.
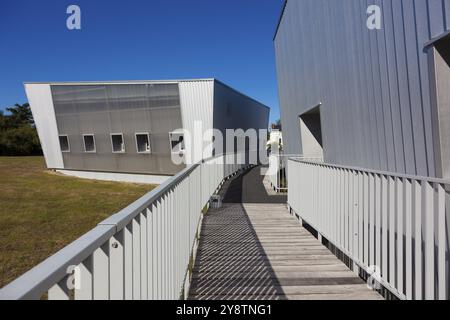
[(103, 110), (220, 107), (233, 110), (373, 84)]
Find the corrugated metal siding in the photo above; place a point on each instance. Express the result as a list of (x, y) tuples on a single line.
[(197, 105), (374, 85), (233, 110), (128, 109)]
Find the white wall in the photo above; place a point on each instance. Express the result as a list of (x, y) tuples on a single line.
[(197, 98), (40, 99), (118, 177)]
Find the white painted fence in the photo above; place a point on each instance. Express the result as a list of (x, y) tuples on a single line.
[(395, 222), (142, 252), (276, 172)]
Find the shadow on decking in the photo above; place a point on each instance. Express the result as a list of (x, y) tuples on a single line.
[(249, 188), (231, 262)]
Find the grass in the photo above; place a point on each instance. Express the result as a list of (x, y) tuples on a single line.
[(41, 211)]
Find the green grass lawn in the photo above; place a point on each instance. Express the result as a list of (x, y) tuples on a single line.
[(41, 211)]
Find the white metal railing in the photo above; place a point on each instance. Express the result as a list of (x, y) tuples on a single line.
[(142, 252), (392, 226), (277, 174)]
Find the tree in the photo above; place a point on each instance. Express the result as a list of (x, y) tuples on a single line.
[(18, 136), (20, 115)]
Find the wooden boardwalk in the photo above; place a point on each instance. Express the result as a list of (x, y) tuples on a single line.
[(253, 249)]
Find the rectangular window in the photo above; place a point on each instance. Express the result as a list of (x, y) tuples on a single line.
[(118, 145), (64, 143), (89, 143), (143, 143), (177, 142)]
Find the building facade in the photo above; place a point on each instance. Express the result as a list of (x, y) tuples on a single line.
[(123, 130), (371, 98)]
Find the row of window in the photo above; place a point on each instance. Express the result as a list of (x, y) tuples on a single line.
[(117, 143)]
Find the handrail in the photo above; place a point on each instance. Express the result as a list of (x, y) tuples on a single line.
[(175, 204), (372, 171), (123, 217)]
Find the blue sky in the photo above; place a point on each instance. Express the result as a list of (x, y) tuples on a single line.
[(136, 40)]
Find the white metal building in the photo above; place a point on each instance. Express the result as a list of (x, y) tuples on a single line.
[(128, 131)]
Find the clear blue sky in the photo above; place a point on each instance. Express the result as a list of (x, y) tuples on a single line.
[(230, 40)]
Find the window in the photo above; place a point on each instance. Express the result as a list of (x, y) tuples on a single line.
[(89, 143), (143, 143), (177, 142), (64, 143), (311, 134), (118, 146)]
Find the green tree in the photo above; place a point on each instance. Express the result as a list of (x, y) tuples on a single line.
[(20, 115), (18, 136)]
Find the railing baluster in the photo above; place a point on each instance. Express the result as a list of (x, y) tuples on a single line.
[(169, 245), (83, 289), (384, 227), (143, 255), (342, 208), (136, 259), (101, 272), (418, 239), (360, 217), (372, 220), (166, 246), (150, 255), (442, 244), (59, 291), (378, 209), (158, 251), (351, 211), (128, 257), (366, 218), (391, 216), (116, 267), (400, 220), (346, 210), (408, 246), (429, 241)]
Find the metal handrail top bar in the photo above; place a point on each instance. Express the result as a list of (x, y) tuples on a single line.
[(379, 172), (123, 217)]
